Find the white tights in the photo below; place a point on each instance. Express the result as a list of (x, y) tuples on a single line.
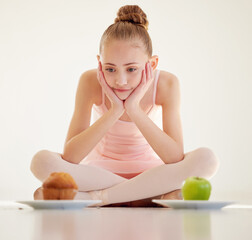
[(111, 188)]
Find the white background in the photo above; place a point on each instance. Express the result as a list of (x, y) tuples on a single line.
[(46, 45)]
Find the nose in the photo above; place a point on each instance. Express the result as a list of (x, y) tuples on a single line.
[(121, 80)]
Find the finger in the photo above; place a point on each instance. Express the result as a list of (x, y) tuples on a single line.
[(149, 78), (148, 72), (97, 73), (100, 66), (151, 72), (141, 83), (105, 84), (99, 77), (101, 74), (144, 77), (103, 78)]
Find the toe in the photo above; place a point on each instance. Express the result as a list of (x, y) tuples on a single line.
[(174, 195), (38, 194)]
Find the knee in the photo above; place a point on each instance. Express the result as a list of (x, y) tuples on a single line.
[(206, 161), (39, 162)]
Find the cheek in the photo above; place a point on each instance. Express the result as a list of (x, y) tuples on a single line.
[(137, 79), (109, 79), (133, 79)]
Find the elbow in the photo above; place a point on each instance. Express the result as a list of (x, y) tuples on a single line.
[(179, 157), (70, 157), (172, 160), (73, 153), (175, 157)]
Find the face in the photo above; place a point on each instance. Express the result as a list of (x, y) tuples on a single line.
[(122, 63)]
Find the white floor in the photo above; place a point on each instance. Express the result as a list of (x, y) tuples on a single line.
[(229, 223)]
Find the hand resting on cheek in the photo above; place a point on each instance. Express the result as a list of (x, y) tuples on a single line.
[(116, 103), (132, 102)]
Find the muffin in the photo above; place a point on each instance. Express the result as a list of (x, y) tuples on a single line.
[(59, 186)]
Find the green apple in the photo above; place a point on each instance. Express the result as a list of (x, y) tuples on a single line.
[(196, 188)]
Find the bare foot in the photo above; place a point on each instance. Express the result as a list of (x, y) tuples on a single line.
[(174, 195), (38, 194)]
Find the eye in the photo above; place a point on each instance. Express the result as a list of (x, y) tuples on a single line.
[(132, 69), (110, 69)]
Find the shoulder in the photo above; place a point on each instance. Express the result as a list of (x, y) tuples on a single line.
[(88, 78), (89, 85), (168, 88)]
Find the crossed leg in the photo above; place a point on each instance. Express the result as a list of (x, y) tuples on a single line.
[(113, 189), (88, 178)]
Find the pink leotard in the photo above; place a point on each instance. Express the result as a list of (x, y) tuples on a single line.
[(124, 150)]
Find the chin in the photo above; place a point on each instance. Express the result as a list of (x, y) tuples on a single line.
[(123, 96)]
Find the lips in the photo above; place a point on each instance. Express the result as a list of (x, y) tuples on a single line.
[(122, 90)]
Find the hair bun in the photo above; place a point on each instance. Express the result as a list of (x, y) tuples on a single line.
[(133, 14)]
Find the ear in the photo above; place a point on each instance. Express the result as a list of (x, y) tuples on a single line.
[(154, 62)]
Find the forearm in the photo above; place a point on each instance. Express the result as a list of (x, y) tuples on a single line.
[(80, 145), (165, 147)]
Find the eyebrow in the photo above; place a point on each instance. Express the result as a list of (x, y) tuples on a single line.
[(123, 65)]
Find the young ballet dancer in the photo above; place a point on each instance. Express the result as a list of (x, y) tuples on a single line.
[(124, 158)]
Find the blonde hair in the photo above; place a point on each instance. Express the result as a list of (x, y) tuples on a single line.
[(131, 23)]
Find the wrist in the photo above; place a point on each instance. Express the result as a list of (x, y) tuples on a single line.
[(117, 111), (133, 109)]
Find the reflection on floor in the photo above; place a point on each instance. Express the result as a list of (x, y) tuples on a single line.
[(232, 222)]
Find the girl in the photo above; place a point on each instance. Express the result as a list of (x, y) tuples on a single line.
[(124, 158)]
